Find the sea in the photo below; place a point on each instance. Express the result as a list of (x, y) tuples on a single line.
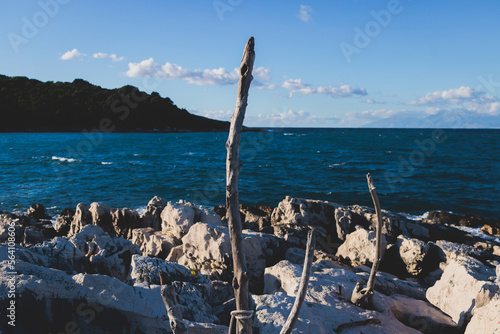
[(414, 170)]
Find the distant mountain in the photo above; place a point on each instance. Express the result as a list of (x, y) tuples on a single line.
[(32, 105), (442, 119)]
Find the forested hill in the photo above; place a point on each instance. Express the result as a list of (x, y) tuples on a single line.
[(32, 105)]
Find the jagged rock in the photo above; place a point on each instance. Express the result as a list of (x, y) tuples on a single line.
[(491, 230), (456, 292), (37, 211), (101, 216), (11, 223), (32, 236), (112, 306), (124, 221), (81, 218), (295, 255), (389, 284), (451, 251), (359, 247), (343, 220), (485, 319), (179, 217), (413, 253), (154, 243), (443, 217), (152, 216), (207, 247), (175, 254), (62, 224), (146, 269), (91, 251), (333, 287), (300, 213)]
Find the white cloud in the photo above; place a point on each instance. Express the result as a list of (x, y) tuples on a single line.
[(102, 55), (262, 73), (305, 13), (292, 118), (222, 115), (216, 76), (73, 54), (371, 101), (296, 86), (453, 96)]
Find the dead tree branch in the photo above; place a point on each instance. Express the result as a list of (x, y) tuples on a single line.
[(364, 296), (304, 281), (233, 166)]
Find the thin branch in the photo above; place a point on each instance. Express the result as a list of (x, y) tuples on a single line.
[(364, 296), (233, 165), (304, 281)]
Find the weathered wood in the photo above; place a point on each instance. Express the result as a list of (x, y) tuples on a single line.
[(364, 296), (233, 166), (170, 300), (304, 281)]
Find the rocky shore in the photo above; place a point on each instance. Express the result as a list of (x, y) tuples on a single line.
[(95, 269)]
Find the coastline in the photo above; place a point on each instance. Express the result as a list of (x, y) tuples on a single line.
[(97, 250)]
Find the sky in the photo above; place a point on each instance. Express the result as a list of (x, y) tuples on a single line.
[(337, 63)]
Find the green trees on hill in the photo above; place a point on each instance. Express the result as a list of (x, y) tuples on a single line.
[(32, 105)]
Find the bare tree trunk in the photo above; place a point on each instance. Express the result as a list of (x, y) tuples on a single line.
[(364, 296), (233, 166), (304, 281), (170, 300)]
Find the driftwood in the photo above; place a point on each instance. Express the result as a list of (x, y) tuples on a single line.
[(364, 296), (233, 166), (304, 281), (170, 300)]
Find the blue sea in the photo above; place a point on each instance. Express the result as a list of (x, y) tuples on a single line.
[(415, 171)]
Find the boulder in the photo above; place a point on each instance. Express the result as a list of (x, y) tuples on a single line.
[(333, 288), (152, 216), (101, 216), (359, 247), (343, 219), (124, 221), (81, 218), (178, 218), (207, 248), (12, 224), (490, 230), (89, 251), (99, 304), (457, 291), (485, 319), (413, 253), (144, 269), (63, 222), (37, 211), (154, 243), (32, 236), (299, 213)]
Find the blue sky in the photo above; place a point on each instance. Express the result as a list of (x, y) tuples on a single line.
[(318, 63)]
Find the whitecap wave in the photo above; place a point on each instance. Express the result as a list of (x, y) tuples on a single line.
[(62, 159), (106, 163)]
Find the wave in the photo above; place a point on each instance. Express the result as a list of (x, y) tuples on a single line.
[(106, 163), (62, 159)]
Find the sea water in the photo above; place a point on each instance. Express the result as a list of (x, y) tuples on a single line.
[(414, 171)]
